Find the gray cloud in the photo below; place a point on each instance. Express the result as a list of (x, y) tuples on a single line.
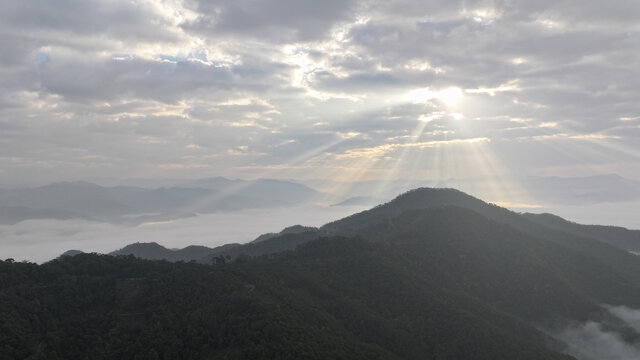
[(279, 20), (143, 88), (126, 20), (168, 82)]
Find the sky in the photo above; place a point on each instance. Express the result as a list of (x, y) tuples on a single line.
[(339, 90)]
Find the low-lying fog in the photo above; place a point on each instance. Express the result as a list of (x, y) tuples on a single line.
[(43, 240), (595, 341)]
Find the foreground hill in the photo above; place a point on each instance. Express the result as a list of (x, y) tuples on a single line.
[(332, 298)]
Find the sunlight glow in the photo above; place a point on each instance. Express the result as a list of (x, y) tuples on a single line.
[(509, 86), (448, 96)]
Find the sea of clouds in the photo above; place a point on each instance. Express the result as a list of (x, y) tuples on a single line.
[(43, 240)]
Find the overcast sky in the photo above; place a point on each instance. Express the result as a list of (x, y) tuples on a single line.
[(348, 90)]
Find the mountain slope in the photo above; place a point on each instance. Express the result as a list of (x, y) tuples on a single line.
[(531, 271), (613, 235), (295, 229), (425, 198), (155, 251), (332, 298), (532, 278)]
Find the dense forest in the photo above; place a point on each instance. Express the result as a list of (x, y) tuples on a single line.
[(332, 298), (434, 274)]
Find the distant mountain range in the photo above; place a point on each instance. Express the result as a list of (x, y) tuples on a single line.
[(134, 205), (550, 190), (434, 273), (359, 200)]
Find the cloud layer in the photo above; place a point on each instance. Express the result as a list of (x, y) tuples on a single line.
[(43, 240), (594, 341), (350, 89)]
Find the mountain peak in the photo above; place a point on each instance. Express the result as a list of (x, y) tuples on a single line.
[(417, 199), (433, 194), (144, 250)]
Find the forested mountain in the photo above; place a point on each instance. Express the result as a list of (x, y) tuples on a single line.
[(155, 251), (614, 235), (435, 273), (268, 243), (295, 229), (332, 298)]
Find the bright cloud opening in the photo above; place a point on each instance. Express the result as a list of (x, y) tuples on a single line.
[(448, 96)]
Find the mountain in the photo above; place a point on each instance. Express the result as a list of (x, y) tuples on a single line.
[(71, 253), (359, 200), (434, 273), (152, 250), (274, 245), (573, 273), (614, 235), (332, 298), (82, 200), (130, 205), (582, 271), (268, 192), (269, 243), (295, 229), (155, 251), (427, 198), (587, 239), (569, 261)]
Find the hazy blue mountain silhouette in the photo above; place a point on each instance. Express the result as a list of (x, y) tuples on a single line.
[(135, 205)]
